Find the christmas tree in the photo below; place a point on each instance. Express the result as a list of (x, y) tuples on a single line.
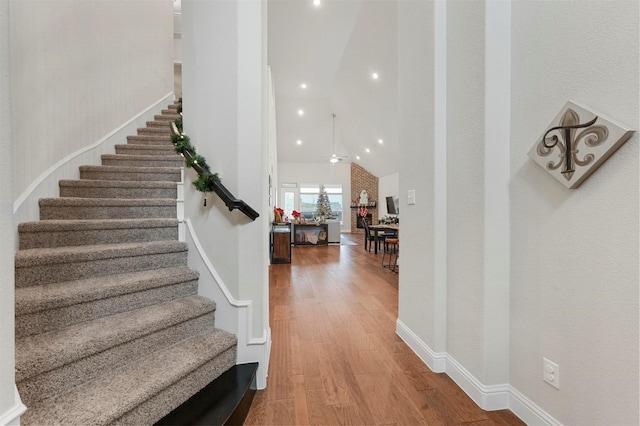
[(323, 205)]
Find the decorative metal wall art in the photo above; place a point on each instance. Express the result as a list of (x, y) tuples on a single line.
[(576, 143)]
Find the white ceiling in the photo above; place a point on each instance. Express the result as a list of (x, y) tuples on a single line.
[(334, 49)]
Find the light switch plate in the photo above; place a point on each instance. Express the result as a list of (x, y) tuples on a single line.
[(411, 196)]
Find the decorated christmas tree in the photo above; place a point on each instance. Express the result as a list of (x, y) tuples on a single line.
[(323, 205)]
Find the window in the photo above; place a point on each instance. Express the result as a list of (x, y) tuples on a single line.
[(308, 199), (335, 199), (304, 198)]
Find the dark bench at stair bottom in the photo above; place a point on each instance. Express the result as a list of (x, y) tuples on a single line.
[(225, 401)]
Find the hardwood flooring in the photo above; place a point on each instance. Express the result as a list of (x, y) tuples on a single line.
[(335, 357)]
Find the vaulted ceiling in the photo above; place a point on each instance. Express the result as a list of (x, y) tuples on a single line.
[(335, 48)]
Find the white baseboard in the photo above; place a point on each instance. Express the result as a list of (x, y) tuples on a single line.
[(489, 398), (11, 417), (437, 362), (529, 412)]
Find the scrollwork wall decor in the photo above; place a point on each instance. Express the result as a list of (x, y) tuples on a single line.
[(576, 143)]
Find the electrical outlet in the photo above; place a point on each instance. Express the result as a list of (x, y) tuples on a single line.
[(551, 373)]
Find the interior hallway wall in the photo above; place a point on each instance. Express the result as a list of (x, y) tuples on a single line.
[(570, 258), (465, 182), (420, 296), (574, 270)]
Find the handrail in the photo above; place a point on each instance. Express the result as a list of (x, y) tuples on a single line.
[(225, 195)]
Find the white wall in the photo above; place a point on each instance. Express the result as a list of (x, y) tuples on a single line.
[(388, 186), (465, 183), (7, 344), (419, 292), (320, 173), (80, 69), (532, 269), (225, 90), (574, 269)]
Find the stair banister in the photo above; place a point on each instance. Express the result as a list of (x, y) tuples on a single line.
[(225, 195)]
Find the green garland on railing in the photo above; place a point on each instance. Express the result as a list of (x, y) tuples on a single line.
[(182, 144)]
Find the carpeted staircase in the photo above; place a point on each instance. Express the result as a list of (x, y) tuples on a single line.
[(109, 326)]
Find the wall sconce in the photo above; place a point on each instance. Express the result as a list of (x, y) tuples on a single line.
[(576, 143)]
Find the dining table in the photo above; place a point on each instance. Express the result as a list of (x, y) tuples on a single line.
[(385, 227)]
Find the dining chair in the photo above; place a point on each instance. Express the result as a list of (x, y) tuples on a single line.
[(370, 236), (391, 247)]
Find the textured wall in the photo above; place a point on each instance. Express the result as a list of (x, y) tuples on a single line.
[(574, 257), (419, 296), (79, 70), (225, 88), (7, 227), (465, 182)]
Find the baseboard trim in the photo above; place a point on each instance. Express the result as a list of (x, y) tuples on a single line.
[(489, 398), (529, 412), (11, 417), (437, 362)]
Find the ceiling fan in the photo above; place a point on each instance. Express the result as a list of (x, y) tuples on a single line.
[(334, 157)]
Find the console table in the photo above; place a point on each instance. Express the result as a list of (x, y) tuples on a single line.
[(281, 243), (310, 234)]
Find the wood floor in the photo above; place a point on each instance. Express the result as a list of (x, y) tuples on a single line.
[(335, 357)]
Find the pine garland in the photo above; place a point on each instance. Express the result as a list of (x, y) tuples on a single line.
[(182, 145)]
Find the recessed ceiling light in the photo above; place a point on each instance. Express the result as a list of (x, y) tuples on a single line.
[(380, 141), (374, 75), (368, 150), (357, 157), (300, 112), (316, 3), (303, 86), (299, 142)]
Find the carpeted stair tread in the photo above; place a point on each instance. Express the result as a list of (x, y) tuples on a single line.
[(108, 399), (47, 351), (142, 173), (80, 232), (168, 116), (94, 188), (44, 266), (46, 256), (145, 149), (158, 139), (172, 160), (44, 308), (158, 123), (86, 225), (56, 295), (96, 183), (154, 131), (106, 208)]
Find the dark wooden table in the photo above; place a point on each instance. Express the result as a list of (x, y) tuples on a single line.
[(380, 227)]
